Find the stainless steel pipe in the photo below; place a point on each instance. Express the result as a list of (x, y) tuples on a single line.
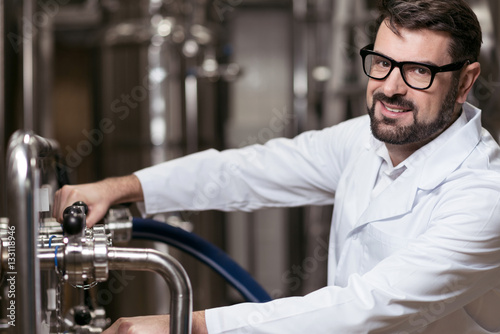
[(24, 154), (181, 303), (22, 183)]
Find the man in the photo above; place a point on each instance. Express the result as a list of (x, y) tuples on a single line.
[(415, 237)]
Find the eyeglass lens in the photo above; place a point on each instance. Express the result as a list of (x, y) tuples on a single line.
[(415, 75)]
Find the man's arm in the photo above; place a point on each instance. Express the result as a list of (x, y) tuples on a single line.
[(244, 179), (98, 196)]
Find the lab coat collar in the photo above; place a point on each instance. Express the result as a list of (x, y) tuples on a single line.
[(426, 169), (448, 157)]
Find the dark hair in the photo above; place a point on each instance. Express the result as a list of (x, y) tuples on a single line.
[(452, 16)]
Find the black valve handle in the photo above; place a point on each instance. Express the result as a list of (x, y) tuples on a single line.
[(82, 315), (85, 207), (74, 218)]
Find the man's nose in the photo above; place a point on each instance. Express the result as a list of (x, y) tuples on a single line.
[(394, 84)]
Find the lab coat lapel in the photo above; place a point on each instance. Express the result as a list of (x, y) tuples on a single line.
[(396, 200), (449, 157)]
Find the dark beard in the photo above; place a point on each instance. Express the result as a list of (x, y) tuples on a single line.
[(418, 131)]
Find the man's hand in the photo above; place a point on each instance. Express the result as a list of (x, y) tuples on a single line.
[(98, 196), (92, 194), (154, 324)]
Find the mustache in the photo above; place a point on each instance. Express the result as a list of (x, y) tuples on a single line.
[(396, 100)]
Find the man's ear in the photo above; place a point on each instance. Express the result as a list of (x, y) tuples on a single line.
[(468, 77)]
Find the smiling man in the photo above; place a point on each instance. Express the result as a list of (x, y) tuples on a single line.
[(415, 235)]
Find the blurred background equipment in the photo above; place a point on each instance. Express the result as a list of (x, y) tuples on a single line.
[(123, 84)]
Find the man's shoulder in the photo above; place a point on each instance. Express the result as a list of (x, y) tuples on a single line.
[(349, 137)]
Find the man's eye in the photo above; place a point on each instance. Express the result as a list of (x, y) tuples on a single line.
[(419, 70), (383, 63)]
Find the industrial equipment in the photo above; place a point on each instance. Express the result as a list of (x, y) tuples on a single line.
[(41, 259)]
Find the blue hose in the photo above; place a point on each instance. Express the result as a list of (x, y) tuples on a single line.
[(203, 251)]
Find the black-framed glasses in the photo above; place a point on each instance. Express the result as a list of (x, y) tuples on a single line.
[(416, 75)]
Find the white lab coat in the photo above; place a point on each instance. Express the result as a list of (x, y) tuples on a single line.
[(423, 256)]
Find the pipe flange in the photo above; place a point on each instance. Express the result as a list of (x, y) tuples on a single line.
[(101, 269), (119, 224)]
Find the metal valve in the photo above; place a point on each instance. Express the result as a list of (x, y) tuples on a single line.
[(85, 250)]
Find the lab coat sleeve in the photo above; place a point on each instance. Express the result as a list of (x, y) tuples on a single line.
[(283, 172), (452, 263)]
